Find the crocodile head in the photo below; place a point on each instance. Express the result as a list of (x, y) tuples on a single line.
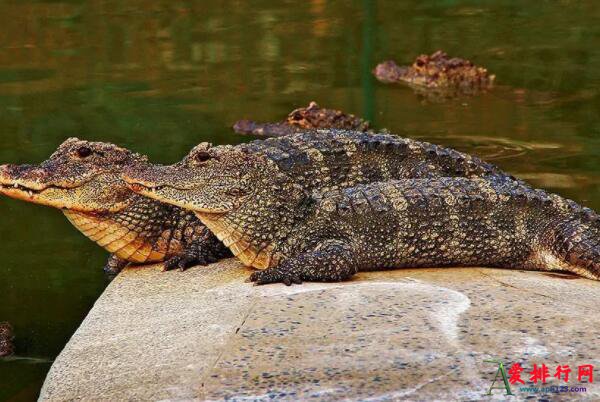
[(437, 70), (306, 118), (80, 176), (209, 179), (240, 195), (314, 116)]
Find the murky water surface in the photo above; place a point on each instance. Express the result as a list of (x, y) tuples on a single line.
[(161, 76)]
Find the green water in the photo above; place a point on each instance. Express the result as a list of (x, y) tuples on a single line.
[(161, 76)]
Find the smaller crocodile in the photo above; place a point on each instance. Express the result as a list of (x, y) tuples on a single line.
[(7, 336), (437, 74), (83, 179), (310, 117)]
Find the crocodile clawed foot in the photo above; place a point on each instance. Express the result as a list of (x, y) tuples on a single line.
[(274, 276), (111, 271), (187, 262), (114, 265), (171, 263), (183, 262)]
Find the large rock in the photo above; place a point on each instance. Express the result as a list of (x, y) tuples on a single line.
[(411, 334)]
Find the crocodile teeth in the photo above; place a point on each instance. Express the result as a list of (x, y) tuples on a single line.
[(15, 185), (30, 193)]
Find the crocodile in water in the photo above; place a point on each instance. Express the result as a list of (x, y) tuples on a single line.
[(311, 117), (437, 76)]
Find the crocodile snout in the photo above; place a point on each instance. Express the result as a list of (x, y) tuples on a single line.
[(7, 174), (4, 171), (389, 72), (29, 176)]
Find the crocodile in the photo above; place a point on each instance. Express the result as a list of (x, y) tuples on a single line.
[(310, 117), (437, 75), (83, 179), (314, 161), (327, 224), (7, 336)]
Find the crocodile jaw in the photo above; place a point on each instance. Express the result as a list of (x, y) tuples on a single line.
[(19, 192), (114, 237), (240, 245)]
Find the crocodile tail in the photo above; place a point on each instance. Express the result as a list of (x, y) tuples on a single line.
[(578, 243), (573, 244)]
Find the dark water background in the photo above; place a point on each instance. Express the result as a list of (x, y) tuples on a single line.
[(161, 76)]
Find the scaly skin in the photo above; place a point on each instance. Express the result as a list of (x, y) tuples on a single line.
[(7, 347), (310, 117), (246, 194), (438, 75), (83, 179), (493, 222), (271, 221)]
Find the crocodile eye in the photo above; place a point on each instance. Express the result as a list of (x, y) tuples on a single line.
[(235, 192), (84, 152), (202, 156)]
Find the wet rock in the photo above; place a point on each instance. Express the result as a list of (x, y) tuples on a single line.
[(416, 334)]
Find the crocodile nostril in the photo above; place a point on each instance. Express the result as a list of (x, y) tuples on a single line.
[(5, 170), (38, 172)]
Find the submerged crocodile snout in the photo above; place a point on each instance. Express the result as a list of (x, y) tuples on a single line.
[(245, 127), (389, 72)]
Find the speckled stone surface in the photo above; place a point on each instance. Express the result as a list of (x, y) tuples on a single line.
[(412, 334)]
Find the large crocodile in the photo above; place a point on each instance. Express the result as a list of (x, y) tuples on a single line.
[(83, 179), (315, 161), (311, 117), (437, 75), (260, 200)]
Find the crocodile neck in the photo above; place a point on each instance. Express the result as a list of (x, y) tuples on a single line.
[(256, 231), (124, 242), (244, 243), (145, 231)]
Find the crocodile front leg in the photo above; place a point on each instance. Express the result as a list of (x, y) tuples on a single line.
[(331, 261), (114, 265), (203, 251)]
